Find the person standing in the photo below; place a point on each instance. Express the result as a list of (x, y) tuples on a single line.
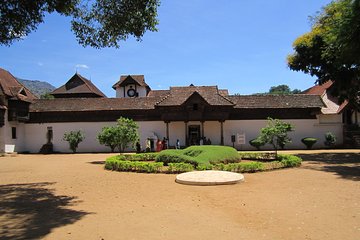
[(177, 144), (159, 146), (164, 144)]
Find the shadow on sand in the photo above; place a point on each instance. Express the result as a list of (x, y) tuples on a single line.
[(31, 211), (345, 165)]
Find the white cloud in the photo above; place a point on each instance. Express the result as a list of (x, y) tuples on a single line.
[(40, 64), (82, 66)]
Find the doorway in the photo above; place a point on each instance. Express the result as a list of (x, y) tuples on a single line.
[(194, 134)]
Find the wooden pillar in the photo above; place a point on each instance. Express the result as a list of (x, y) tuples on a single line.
[(186, 134), (202, 129), (167, 133), (221, 132)]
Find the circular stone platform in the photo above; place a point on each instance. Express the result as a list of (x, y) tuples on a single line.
[(207, 178)]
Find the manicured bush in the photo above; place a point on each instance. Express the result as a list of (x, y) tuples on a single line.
[(330, 139), (289, 160), (309, 142), (240, 167), (180, 167), (135, 157), (200, 155), (263, 156), (140, 157), (132, 166), (174, 156), (257, 143)]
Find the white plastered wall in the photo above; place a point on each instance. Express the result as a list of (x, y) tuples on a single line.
[(35, 135), (6, 135), (139, 89), (303, 128)]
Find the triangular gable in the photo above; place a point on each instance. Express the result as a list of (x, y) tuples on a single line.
[(78, 86), (195, 98)]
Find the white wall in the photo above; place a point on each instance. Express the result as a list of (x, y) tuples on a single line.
[(303, 128), (139, 89), (6, 135), (33, 136)]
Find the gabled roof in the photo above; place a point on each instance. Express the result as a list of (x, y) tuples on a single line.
[(277, 101), (332, 104), (78, 84), (179, 95), (126, 79), (13, 89), (319, 89)]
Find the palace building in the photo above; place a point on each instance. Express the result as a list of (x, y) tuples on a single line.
[(187, 113)]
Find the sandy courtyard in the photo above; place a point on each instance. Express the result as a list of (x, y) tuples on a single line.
[(72, 197)]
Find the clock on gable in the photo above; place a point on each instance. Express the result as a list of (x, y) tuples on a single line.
[(131, 92)]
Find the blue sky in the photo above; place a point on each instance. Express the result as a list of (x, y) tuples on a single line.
[(240, 45)]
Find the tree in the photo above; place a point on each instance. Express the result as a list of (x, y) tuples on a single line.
[(331, 50), (98, 23), (120, 136), (74, 138), (280, 89), (275, 133), (107, 137), (126, 133), (46, 96)]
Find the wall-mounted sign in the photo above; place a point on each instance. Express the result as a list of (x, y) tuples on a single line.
[(241, 138)]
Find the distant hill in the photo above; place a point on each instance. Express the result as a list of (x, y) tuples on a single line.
[(37, 87)]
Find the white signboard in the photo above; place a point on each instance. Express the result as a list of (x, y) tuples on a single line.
[(241, 138)]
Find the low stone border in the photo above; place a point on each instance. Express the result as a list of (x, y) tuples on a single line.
[(208, 178)]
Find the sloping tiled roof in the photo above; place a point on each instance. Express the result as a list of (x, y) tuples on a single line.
[(277, 101), (179, 95), (158, 93), (319, 89), (139, 79), (12, 88), (332, 104), (78, 85), (92, 104)]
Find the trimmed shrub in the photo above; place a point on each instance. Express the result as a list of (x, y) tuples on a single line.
[(289, 160), (309, 142), (204, 167), (132, 166), (263, 156), (199, 155), (180, 167), (257, 143), (240, 167), (330, 139), (140, 157), (174, 156)]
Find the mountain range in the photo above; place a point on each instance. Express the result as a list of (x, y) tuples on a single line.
[(37, 87)]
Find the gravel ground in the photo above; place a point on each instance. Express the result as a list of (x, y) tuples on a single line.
[(72, 197)]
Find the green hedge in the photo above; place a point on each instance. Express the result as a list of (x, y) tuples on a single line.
[(200, 155), (289, 160), (136, 157), (133, 166), (257, 155), (174, 156), (240, 167), (180, 167), (117, 163)]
